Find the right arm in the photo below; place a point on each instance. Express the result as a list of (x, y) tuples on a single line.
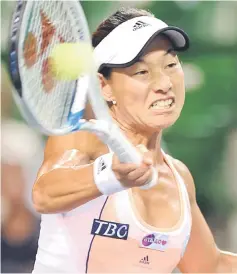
[(65, 179)]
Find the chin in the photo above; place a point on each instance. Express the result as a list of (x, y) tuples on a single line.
[(163, 121)]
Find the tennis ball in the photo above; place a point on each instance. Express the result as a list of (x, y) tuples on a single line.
[(69, 60)]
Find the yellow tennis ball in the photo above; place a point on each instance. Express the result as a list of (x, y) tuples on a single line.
[(69, 60)]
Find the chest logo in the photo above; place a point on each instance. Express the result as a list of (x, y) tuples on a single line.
[(144, 260), (155, 241), (110, 229)]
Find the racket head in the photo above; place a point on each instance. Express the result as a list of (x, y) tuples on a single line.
[(46, 103)]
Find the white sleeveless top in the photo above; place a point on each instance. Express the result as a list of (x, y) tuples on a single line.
[(107, 235)]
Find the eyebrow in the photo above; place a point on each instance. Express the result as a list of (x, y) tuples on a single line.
[(141, 60), (170, 50)]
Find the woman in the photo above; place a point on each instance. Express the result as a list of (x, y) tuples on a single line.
[(129, 229)]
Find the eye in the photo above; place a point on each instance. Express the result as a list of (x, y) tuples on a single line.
[(141, 72), (171, 65)]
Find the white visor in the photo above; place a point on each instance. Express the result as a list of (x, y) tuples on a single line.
[(123, 45)]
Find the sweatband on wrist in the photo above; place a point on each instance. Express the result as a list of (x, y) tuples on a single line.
[(104, 177)]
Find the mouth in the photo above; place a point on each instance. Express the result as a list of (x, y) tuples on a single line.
[(163, 103)]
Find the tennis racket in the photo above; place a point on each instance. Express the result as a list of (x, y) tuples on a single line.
[(56, 107)]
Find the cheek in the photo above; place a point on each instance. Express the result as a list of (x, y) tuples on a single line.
[(179, 86), (131, 94)]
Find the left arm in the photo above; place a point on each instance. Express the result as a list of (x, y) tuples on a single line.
[(202, 255)]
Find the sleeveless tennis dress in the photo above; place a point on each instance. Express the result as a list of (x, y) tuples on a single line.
[(107, 235)]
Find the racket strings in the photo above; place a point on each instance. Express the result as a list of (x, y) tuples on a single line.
[(49, 23)]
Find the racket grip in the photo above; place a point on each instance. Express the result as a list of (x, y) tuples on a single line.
[(111, 135), (127, 153)]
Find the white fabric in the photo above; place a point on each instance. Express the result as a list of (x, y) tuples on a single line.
[(65, 238), (124, 43), (56, 251), (104, 177)]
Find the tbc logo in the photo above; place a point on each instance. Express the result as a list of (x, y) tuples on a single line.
[(110, 229)]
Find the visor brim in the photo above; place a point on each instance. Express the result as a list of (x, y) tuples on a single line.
[(177, 37)]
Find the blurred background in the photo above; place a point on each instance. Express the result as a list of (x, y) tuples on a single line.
[(204, 138)]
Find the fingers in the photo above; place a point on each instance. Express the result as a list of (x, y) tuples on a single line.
[(124, 168), (147, 160), (146, 177), (136, 174), (129, 172)]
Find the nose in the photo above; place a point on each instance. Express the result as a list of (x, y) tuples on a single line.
[(161, 82)]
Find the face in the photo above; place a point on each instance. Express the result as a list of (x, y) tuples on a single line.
[(149, 94)]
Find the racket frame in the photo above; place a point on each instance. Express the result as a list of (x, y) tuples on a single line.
[(17, 19), (14, 69)]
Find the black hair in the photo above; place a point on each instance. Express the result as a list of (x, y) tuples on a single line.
[(119, 17)]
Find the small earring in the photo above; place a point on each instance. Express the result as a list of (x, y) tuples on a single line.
[(114, 102)]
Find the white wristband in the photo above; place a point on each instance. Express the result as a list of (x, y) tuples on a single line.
[(104, 177)]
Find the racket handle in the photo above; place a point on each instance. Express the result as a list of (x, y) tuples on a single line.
[(125, 151), (110, 134)]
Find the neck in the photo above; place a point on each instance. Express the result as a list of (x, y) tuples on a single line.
[(152, 141)]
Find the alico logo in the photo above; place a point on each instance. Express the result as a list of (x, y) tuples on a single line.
[(155, 241), (110, 229), (149, 239)]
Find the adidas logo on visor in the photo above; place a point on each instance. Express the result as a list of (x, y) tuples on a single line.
[(139, 25)]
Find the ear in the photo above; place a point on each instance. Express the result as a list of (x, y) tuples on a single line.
[(106, 89)]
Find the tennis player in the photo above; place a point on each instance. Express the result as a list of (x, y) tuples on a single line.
[(110, 223)]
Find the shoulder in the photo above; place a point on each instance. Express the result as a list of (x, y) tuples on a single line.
[(83, 141), (186, 175)]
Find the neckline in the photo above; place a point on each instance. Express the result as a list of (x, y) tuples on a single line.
[(182, 218)]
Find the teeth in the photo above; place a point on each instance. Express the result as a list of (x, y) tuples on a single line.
[(162, 104)]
